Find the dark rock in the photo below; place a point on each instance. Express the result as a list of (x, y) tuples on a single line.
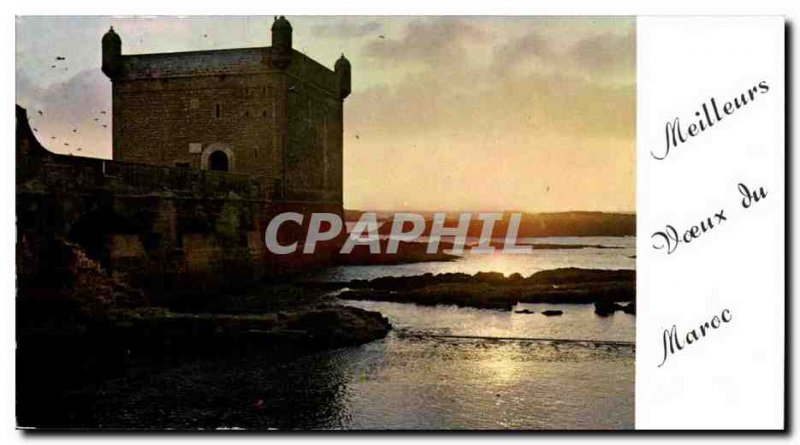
[(515, 277), (336, 326), (572, 275), (551, 312), (493, 291), (630, 308), (524, 311), (606, 308), (489, 277), (59, 271)]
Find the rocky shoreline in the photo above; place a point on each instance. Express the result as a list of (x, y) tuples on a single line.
[(75, 318), (604, 288)]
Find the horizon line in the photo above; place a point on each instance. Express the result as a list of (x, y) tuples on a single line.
[(633, 212)]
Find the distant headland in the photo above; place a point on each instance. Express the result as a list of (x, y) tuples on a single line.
[(546, 224)]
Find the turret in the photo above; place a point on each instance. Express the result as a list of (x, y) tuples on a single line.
[(112, 53), (281, 43), (342, 69)]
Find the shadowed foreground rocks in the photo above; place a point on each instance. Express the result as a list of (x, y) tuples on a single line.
[(69, 286), (76, 325), (495, 291)]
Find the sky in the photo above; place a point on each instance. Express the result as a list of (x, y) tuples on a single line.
[(447, 113)]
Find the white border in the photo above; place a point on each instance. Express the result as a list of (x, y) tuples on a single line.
[(790, 8), (731, 377)]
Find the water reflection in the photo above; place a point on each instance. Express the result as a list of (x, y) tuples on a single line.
[(395, 383), (621, 256), (438, 383), (417, 381), (578, 321)]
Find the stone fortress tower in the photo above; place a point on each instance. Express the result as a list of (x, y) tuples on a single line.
[(269, 112)]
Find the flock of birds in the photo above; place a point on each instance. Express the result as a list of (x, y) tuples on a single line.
[(74, 130), (59, 59), (40, 114)]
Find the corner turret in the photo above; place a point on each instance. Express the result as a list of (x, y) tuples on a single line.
[(112, 53), (342, 69), (281, 43)]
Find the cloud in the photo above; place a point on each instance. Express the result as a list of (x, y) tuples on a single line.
[(531, 47), (604, 57), (537, 79), (346, 28), (430, 41), (607, 54), (480, 103)]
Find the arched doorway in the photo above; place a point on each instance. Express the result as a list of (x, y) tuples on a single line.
[(218, 161), (218, 157)]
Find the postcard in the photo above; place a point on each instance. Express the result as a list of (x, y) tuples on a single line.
[(505, 223)]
